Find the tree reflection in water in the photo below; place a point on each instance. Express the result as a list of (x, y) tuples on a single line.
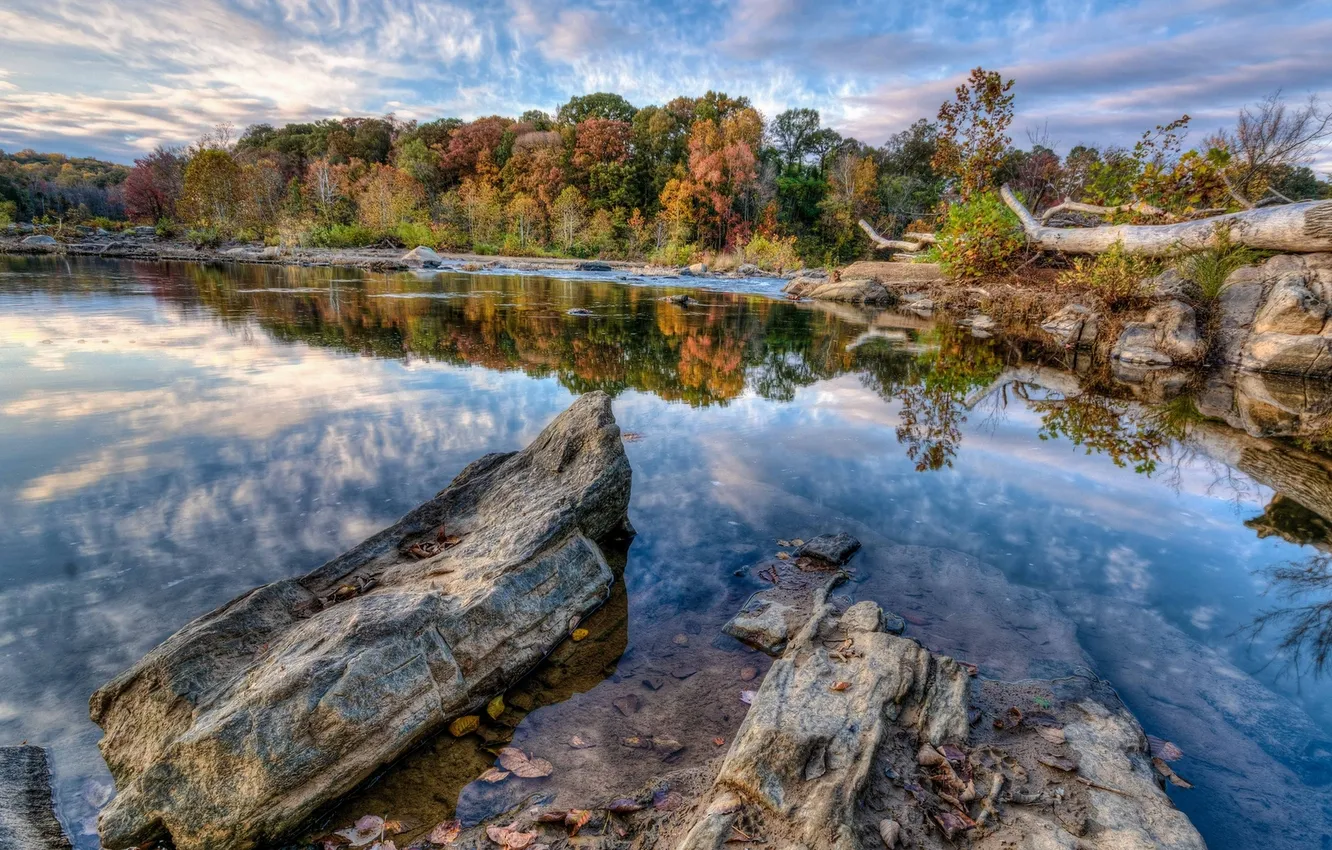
[(1305, 589)]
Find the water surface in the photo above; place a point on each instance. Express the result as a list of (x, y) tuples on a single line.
[(173, 435)]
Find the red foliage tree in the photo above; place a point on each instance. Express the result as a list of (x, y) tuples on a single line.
[(154, 185), (601, 140), (469, 141)]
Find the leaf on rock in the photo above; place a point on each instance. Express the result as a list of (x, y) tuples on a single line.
[(797, 542), (464, 725), (666, 801), (1054, 736), (624, 806), (579, 634), (747, 697), (495, 707), (680, 640), (782, 556), (952, 753), (576, 819), (398, 827), (510, 836), (667, 747), (718, 742), (366, 830), (840, 686), (637, 742), (928, 756), (523, 766), (383, 845), (332, 841), (445, 832), (785, 544), (494, 775), (1163, 749), (578, 742), (1166, 771), (748, 674)]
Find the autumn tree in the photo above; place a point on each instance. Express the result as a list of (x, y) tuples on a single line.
[(567, 215), (524, 219), (973, 132), (154, 185), (210, 193), (599, 105), (387, 197), (723, 161)]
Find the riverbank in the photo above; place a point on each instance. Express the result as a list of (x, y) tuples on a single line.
[(144, 244)]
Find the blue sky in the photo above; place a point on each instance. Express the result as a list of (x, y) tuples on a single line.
[(116, 78)]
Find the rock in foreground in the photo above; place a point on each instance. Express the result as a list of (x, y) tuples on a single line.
[(239, 726), (27, 815)]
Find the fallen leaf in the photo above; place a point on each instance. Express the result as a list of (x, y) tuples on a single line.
[(1166, 771), (579, 634), (782, 556), (747, 697), (578, 742), (719, 742), (797, 542), (748, 674), (624, 806), (627, 704), (366, 830), (445, 832), (494, 775), (839, 686), (552, 816), (928, 756), (576, 820), (971, 669), (913, 619), (952, 823), (464, 725), (666, 746), (785, 544), (637, 742), (952, 753), (397, 827), (1163, 749), (332, 841), (1054, 736), (666, 801), (522, 765), (383, 845), (680, 640), (495, 707), (631, 436), (1058, 763), (891, 833), (510, 837)]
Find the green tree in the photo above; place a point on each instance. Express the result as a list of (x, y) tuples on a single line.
[(973, 132)]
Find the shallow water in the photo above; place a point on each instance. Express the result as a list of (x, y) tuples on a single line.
[(173, 435)]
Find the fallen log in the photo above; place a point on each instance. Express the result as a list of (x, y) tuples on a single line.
[(1070, 205), (237, 728), (910, 242), (1301, 228)]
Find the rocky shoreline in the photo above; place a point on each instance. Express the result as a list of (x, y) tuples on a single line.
[(142, 243)]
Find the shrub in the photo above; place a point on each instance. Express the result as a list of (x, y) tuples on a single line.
[(485, 249), (166, 228), (204, 237), (413, 233), (674, 254), (981, 237), (1209, 268), (1116, 275), (776, 254)]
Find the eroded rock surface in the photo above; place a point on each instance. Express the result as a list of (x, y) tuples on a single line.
[(240, 725), (27, 812), (1075, 325), (852, 290), (1167, 336)]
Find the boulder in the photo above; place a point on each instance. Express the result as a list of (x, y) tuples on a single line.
[(145, 230), (423, 257), (27, 808), (1290, 308), (1169, 285), (593, 266), (1236, 308), (764, 624), (854, 291), (237, 728), (853, 727), (698, 269), (39, 239), (1167, 336), (1073, 326), (1305, 355), (749, 270)]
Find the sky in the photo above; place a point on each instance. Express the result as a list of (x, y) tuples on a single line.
[(115, 79)]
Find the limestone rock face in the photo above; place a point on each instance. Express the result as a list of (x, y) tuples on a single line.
[(1237, 309), (1291, 308), (1306, 355), (27, 813), (854, 291), (239, 726), (1074, 326)]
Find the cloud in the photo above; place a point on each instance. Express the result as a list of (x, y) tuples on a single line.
[(79, 80)]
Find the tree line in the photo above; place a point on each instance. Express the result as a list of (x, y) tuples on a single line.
[(696, 178)]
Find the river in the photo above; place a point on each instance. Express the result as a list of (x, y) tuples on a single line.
[(172, 435)]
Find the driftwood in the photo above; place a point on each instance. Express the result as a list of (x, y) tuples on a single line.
[(1296, 228), (1070, 205), (917, 240)]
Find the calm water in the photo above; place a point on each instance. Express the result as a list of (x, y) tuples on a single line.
[(171, 436)]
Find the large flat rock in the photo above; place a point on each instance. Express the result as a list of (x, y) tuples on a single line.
[(27, 813), (238, 727)]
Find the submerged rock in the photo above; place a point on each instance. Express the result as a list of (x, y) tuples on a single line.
[(1166, 337), (834, 549), (592, 266), (27, 808), (243, 723)]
